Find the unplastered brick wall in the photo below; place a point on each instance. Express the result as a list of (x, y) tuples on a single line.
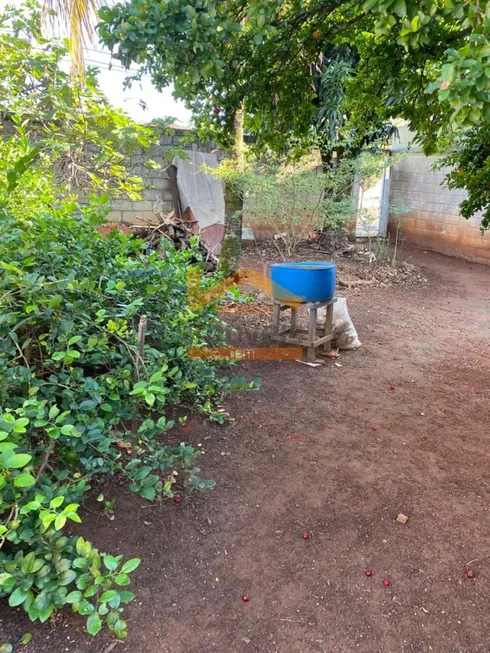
[(433, 219), (156, 195)]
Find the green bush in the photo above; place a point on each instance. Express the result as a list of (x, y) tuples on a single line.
[(77, 403), (467, 167)]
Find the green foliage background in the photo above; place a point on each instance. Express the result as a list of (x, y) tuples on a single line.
[(77, 401)]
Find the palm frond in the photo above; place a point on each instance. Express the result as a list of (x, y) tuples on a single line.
[(76, 19)]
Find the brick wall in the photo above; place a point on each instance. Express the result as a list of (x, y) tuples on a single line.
[(433, 220)]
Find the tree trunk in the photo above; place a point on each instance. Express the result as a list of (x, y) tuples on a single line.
[(231, 248)]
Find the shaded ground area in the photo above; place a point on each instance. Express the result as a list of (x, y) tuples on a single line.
[(303, 456)]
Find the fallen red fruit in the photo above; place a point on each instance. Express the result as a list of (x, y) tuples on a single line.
[(216, 111), (245, 598), (392, 387), (373, 428), (322, 426), (386, 582), (469, 574), (177, 500), (368, 573), (306, 536)]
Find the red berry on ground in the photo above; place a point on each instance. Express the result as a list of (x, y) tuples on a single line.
[(368, 573), (386, 582), (469, 574), (245, 598), (216, 111), (392, 387), (373, 428), (306, 536), (177, 500)]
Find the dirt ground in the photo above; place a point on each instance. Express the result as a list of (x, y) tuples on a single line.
[(334, 452)]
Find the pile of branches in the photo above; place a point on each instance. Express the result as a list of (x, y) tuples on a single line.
[(179, 232)]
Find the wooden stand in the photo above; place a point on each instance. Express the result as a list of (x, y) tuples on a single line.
[(315, 336)]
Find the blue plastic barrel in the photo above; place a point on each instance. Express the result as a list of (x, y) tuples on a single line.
[(307, 281)]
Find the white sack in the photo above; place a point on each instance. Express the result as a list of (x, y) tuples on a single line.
[(344, 332)]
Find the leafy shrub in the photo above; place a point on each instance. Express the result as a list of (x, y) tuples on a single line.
[(77, 402), (286, 199), (294, 198), (49, 125), (468, 161)]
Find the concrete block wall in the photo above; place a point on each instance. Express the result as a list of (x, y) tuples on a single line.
[(156, 195), (433, 220)]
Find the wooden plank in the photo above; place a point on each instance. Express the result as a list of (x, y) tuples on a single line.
[(276, 316), (310, 354), (329, 322), (312, 324), (294, 321), (306, 343)]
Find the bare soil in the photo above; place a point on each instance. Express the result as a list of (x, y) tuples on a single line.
[(334, 452)]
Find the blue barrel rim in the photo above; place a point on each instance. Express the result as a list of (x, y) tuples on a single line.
[(305, 265)]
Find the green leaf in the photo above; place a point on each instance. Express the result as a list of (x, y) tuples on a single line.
[(83, 548), (74, 517), (53, 411), (126, 596), (80, 563), (156, 376), (73, 597), (73, 354), (10, 267), (59, 522), (8, 584), (47, 518), (17, 461), (130, 565), (110, 562), (26, 638), (27, 564), (17, 597), (122, 579), (147, 493), (447, 72), (94, 624), (90, 591), (108, 596), (24, 480), (115, 602), (85, 608), (56, 502), (67, 577), (120, 628), (6, 648), (400, 8)]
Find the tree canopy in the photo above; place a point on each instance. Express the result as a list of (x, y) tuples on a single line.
[(51, 126), (426, 62)]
